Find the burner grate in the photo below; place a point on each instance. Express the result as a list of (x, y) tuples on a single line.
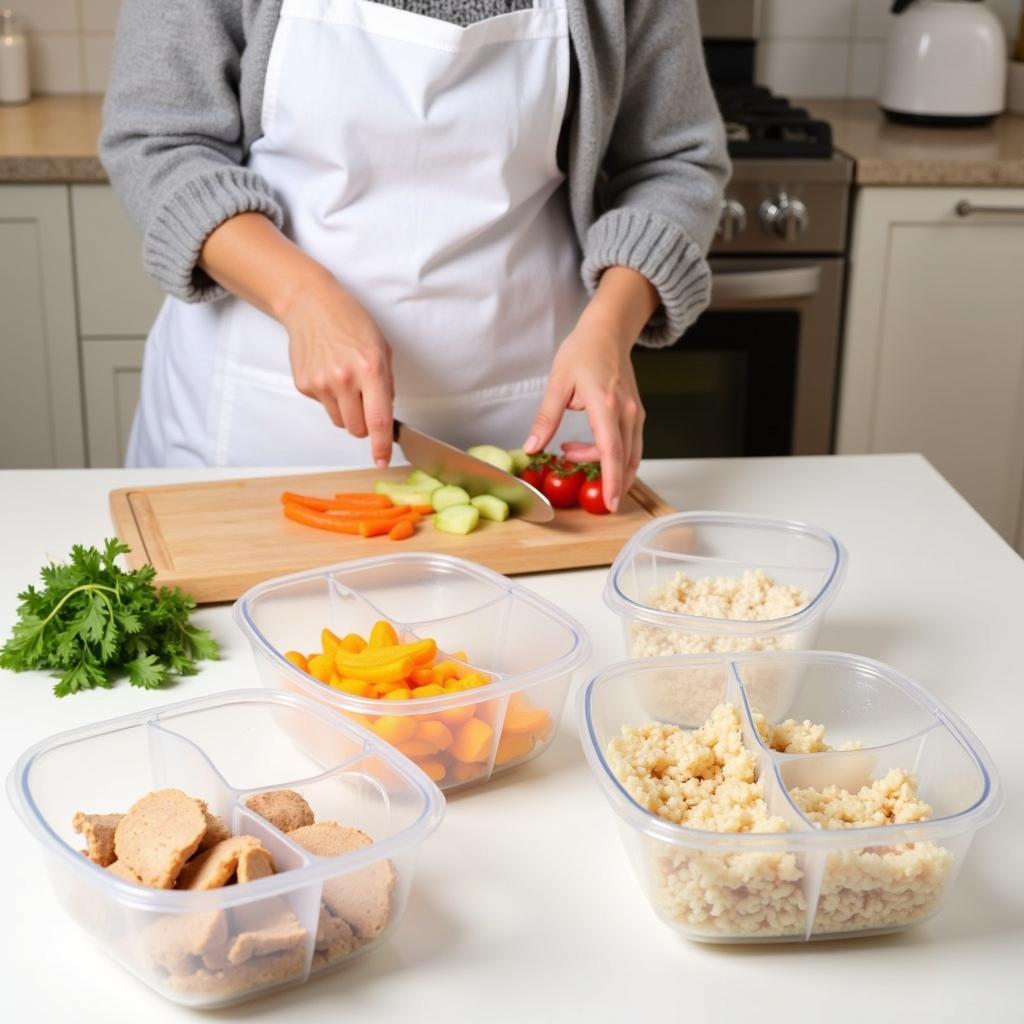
[(760, 124)]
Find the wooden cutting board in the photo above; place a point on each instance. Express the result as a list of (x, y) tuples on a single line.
[(215, 540)]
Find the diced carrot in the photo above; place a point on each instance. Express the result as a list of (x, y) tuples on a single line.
[(525, 721), (472, 741), (422, 677), (399, 693), (511, 748), (402, 530), (416, 748), (329, 641), (353, 643), (454, 717), (352, 716), (445, 670), (395, 728), (472, 680), (434, 732), (460, 656), (335, 678), (434, 770), (298, 659), (383, 634), (357, 687), (396, 684), (321, 667), (432, 690)]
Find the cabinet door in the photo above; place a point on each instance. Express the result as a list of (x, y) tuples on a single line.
[(112, 373), (115, 298), (40, 399), (934, 354)]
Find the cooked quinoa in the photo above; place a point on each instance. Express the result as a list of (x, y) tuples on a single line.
[(708, 779), (752, 597)]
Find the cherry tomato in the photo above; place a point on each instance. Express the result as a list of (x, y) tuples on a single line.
[(592, 499), (563, 489), (534, 477)]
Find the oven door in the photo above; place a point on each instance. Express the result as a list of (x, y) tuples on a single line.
[(756, 374)]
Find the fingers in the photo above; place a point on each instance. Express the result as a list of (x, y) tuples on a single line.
[(548, 417), (608, 439), (577, 451), (377, 411), (637, 451)]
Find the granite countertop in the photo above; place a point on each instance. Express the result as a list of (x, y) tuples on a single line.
[(892, 154), (53, 139)]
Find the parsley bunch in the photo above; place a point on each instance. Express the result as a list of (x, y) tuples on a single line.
[(93, 622)]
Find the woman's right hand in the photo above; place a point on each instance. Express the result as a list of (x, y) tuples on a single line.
[(338, 355), (340, 358)]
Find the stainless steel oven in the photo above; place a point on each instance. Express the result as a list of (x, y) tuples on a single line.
[(756, 375)]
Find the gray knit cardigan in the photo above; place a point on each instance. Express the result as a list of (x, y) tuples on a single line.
[(646, 160)]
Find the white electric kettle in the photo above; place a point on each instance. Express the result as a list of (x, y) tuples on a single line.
[(945, 63)]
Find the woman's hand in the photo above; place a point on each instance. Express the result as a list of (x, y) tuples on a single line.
[(340, 358), (338, 355), (593, 372)]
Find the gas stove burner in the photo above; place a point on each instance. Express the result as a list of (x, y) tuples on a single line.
[(760, 124)]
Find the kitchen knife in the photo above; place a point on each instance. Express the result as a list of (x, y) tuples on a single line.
[(452, 466)]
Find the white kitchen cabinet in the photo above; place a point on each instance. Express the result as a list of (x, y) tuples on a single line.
[(934, 349), (111, 373), (40, 397), (115, 298)]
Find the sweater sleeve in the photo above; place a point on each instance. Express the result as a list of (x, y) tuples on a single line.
[(172, 138), (665, 168)]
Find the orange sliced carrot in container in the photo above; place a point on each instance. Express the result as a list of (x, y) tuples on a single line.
[(472, 741), (382, 635)]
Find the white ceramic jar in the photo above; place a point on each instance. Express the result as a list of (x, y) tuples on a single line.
[(14, 80)]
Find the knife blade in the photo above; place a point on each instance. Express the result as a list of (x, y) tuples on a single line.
[(450, 465)]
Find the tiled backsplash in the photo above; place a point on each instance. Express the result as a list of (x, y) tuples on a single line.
[(70, 41), (833, 47), (807, 48)]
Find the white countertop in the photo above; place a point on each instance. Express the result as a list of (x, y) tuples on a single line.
[(524, 906)]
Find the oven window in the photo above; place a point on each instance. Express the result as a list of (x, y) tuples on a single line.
[(726, 389)]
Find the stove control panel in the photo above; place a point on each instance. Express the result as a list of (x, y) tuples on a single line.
[(785, 216), (733, 221)]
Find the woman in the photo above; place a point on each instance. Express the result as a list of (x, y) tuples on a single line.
[(462, 214)]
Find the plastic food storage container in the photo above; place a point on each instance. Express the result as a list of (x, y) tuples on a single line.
[(703, 545), (804, 882), (527, 646), (224, 749)]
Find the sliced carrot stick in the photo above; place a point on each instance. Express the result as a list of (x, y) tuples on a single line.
[(424, 510), (402, 530), (340, 502), (393, 513), (321, 520)]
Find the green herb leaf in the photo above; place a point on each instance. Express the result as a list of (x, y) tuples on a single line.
[(92, 622)]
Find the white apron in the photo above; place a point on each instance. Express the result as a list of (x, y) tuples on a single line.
[(416, 160)]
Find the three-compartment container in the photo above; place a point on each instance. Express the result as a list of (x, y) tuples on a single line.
[(225, 749), (524, 645), (702, 545), (804, 882)]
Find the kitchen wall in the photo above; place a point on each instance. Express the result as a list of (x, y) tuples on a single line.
[(71, 42), (808, 47), (833, 47)]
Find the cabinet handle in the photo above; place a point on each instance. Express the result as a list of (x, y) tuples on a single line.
[(965, 208)]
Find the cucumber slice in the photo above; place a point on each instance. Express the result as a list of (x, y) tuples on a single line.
[(447, 497), (495, 456), (402, 494), (460, 519), (520, 460), (421, 481), (490, 507)]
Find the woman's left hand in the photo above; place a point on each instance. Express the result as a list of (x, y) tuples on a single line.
[(593, 372)]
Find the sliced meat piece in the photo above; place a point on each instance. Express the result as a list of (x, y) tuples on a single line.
[(216, 866), (159, 834), (98, 830), (283, 808), (176, 942)]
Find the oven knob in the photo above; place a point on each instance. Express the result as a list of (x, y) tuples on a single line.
[(784, 216), (732, 222)]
